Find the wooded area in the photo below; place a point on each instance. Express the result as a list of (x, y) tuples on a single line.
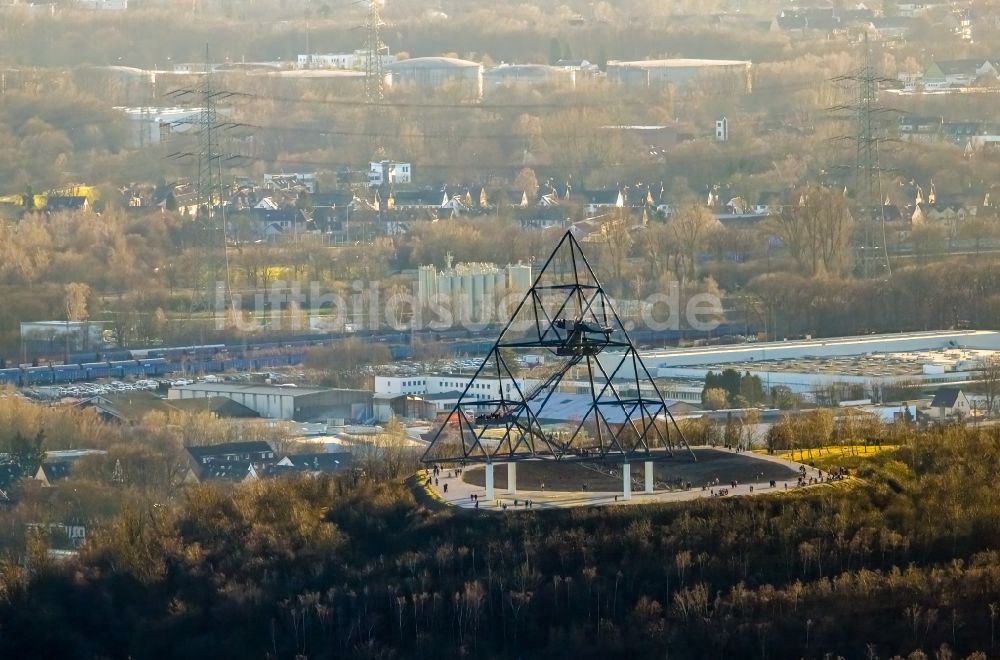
[(901, 562)]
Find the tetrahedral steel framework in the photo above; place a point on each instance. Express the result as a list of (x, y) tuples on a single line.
[(595, 399)]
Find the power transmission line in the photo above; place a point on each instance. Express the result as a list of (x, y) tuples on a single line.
[(374, 49), (210, 161), (209, 182), (489, 106), (867, 168)]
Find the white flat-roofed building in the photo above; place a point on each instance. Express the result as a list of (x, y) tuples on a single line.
[(529, 75), (927, 357), (55, 337), (439, 384), (101, 5), (388, 171), (152, 125), (733, 75), (434, 73), (356, 61)]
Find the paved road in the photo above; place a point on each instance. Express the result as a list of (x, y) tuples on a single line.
[(459, 492)]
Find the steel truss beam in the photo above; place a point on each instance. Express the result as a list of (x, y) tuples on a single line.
[(567, 315)]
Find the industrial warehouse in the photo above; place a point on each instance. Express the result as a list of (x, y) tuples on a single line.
[(301, 404)]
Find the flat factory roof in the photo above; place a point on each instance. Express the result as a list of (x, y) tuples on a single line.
[(270, 390), (856, 345)]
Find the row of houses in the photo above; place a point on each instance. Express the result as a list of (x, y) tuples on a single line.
[(230, 461), (969, 135), (288, 206), (554, 206), (840, 21), (961, 72), (247, 461)]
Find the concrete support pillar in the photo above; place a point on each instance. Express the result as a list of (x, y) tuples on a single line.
[(626, 481), (512, 478), (649, 476), (490, 493)]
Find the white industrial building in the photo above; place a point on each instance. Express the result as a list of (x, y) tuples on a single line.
[(101, 5), (806, 366), (54, 337), (437, 393), (430, 384), (150, 125), (432, 73), (529, 75), (833, 347), (358, 60), (296, 403), (733, 75), (472, 291)]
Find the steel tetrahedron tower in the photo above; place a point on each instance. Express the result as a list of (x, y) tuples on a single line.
[(594, 398)]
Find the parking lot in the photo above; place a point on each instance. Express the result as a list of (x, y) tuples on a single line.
[(87, 390)]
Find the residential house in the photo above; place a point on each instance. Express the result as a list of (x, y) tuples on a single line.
[(49, 472), (61, 534), (919, 128), (890, 28), (589, 231), (911, 9), (736, 21), (180, 196), (389, 172), (823, 20), (231, 461), (971, 135), (949, 402), (269, 203), (545, 217), (67, 203), (276, 223), (404, 200), (10, 474), (254, 451), (234, 471), (949, 216), (599, 201), (891, 414), (315, 464), (957, 73), (518, 199), (291, 182)]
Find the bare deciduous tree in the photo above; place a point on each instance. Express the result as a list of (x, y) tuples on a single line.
[(989, 381), (76, 301)]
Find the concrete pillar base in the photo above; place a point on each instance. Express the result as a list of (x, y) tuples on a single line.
[(626, 481), (490, 492), (512, 478), (649, 476)]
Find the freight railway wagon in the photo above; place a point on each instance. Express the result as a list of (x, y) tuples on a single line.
[(59, 374), (70, 373), (220, 363)]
